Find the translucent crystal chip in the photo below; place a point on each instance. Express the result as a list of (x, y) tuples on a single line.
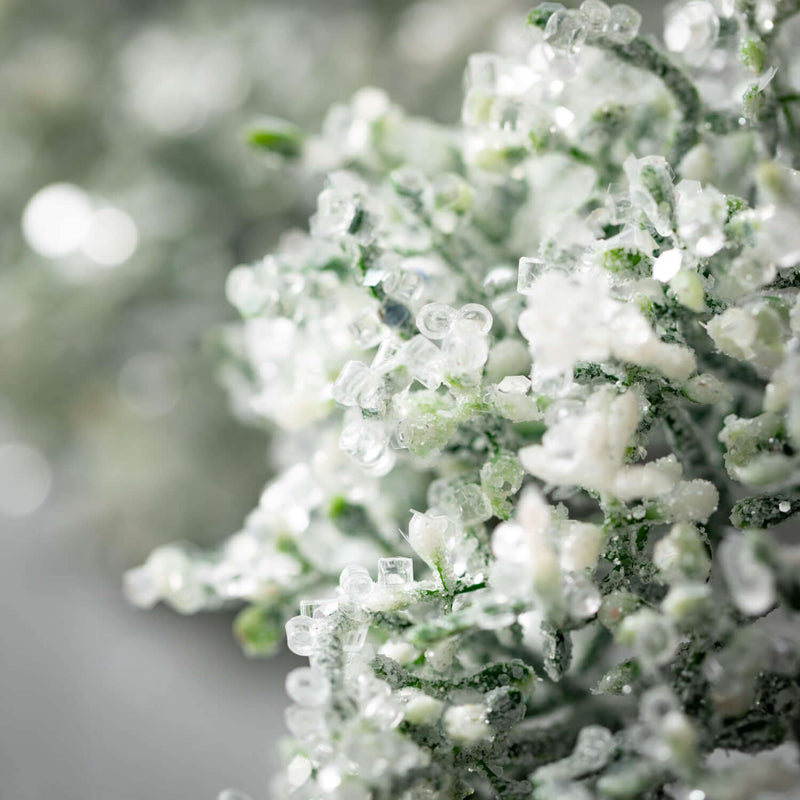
[(514, 384), (623, 24), (477, 314), (386, 356), (301, 635), (530, 268), (469, 502), (691, 29), (397, 571), (483, 71), (355, 384), (424, 361), (367, 329), (595, 15), (337, 213), (355, 581), (465, 350), (318, 609), (307, 687), (367, 443), (435, 320), (403, 285), (565, 31)]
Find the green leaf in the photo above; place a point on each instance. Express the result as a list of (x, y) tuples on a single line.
[(276, 136)]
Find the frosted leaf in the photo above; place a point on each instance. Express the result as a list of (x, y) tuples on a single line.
[(396, 572), (435, 320), (307, 687), (623, 24), (750, 582)]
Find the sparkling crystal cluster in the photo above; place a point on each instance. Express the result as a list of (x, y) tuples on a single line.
[(568, 331)]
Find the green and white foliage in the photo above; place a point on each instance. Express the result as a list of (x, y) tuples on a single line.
[(567, 331)]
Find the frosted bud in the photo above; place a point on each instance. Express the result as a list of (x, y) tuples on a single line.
[(593, 749), (301, 635), (595, 16), (307, 687), (530, 268), (580, 546), (466, 724), (582, 596), (681, 555), (689, 501), (565, 31), (623, 24), (651, 635), (420, 708), (435, 320), (428, 535), (401, 652), (750, 581), (355, 581), (707, 389), (691, 30), (666, 266), (688, 290), (474, 314), (687, 604), (397, 572)]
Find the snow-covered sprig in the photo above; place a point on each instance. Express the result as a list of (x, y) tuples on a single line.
[(567, 329)]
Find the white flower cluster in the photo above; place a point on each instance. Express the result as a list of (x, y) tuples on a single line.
[(576, 355)]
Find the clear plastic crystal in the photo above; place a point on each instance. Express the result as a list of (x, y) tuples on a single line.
[(474, 314), (565, 31), (423, 359), (435, 320), (307, 687), (301, 635), (367, 329), (530, 268), (595, 16), (395, 571), (623, 24), (355, 581)]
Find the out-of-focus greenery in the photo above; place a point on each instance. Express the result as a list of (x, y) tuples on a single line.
[(142, 105)]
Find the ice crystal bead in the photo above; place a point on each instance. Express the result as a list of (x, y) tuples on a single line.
[(435, 320), (301, 635), (355, 385), (475, 315), (367, 329), (565, 31), (318, 609), (423, 359), (623, 24), (530, 268), (403, 285), (595, 16), (750, 582), (307, 687), (652, 637), (691, 29), (355, 581), (397, 572)]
